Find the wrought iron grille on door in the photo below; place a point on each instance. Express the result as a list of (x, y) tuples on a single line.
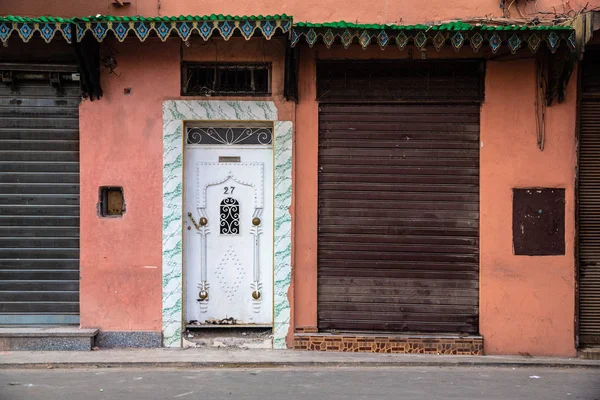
[(230, 217), (229, 135)]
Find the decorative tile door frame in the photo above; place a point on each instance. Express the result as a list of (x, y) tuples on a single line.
[(174, 115)]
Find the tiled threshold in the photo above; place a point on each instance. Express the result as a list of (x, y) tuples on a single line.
[(471, 345)]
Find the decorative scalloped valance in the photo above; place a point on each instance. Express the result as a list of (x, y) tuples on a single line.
[(455, 33), (162, 27)]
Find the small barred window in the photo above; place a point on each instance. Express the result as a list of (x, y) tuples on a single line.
[(225, 79)]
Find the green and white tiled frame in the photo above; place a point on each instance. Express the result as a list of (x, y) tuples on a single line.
[(174, 113)]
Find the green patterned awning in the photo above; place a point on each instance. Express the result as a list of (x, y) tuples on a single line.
[(162, 27), (456, 34)]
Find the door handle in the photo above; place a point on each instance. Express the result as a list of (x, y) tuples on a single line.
[(203, 221)]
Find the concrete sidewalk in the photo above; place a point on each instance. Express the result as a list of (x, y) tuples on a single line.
[(236, 358)]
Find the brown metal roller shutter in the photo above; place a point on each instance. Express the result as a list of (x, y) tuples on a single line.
[(398, 217), (39, 200), (589, 203), (400, 81)]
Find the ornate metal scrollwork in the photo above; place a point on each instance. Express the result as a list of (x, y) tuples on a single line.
[(230, 216), (229, 136)]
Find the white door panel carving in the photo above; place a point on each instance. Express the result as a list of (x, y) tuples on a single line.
[(228, 238)]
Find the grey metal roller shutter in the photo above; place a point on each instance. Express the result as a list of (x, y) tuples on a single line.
[(589, 202), (39, 202)]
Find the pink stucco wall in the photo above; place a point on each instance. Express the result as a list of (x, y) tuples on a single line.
[(121, 145), (376, 11)]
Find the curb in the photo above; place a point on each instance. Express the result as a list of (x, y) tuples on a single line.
[(306, 364)]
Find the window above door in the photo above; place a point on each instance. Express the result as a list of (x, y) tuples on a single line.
[(225, 79)]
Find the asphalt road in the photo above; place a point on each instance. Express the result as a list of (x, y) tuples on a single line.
[(328, 383)]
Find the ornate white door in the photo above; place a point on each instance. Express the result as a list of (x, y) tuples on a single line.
[(228, 224)]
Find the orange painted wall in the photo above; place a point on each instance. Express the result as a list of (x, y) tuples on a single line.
[(376, 11), (527, 304)]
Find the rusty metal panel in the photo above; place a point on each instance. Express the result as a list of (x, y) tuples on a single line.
[(398, 241), (39, 200), (589, 202), (539, 222)]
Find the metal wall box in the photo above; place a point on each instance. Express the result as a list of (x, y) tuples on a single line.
[(111, 202), (539, 222)]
